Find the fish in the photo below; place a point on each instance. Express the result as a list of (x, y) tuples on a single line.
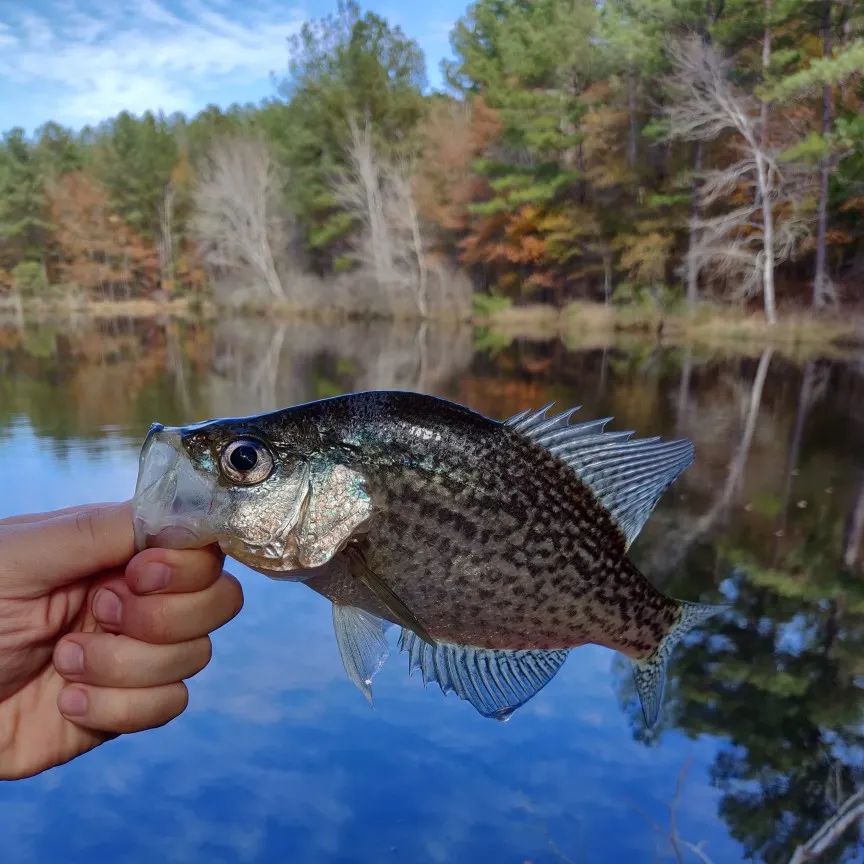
[(496, 546)]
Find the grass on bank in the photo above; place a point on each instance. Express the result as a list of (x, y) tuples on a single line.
[(579, 324), (710, 323)]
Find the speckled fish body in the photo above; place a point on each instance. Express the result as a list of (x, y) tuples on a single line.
[(489, 539), (503, 542)]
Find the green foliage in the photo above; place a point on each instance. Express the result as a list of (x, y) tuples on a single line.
[(343, 65), (486, 305), (825, 71), (811, 149), (23, 220), (134, 161), (28, 278)]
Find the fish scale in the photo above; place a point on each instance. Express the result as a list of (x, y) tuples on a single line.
[(497, 546), (559, 511)]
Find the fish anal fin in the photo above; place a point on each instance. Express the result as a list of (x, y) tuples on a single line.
[(627, 476), (496, 683), (650, 674), (362, 645)]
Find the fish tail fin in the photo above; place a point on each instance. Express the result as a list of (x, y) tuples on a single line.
[(650, 672)]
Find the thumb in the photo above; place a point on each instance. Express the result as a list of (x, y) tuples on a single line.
[(37, 557)]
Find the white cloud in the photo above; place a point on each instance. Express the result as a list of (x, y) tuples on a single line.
[(95, 61)]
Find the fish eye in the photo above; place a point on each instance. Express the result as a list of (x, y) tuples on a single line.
[(246, 461)]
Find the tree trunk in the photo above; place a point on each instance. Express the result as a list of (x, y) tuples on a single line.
[(166, 239), (631, 110), (268, 267), (580, 164), (684, 391), (607, 277), (854, 529), (805, 397), (765, 186), (692, 266), (767, 241), (419, 254), (766, 62), (819, 277)]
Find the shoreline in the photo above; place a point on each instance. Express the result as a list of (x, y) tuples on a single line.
[(577, 325)]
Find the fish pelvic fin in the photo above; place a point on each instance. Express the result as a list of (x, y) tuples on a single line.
[(362, 645), (496, 683), (650, 673), (626, 476)]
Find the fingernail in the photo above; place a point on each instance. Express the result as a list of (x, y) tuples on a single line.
[(70, 658), (72, 701), (107, 607), (154, 577)]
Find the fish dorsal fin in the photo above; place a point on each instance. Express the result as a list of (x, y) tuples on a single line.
[(362, 644), (627, 476), (496, 683)]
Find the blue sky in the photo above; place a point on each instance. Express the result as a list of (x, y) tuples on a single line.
[(80, 61)]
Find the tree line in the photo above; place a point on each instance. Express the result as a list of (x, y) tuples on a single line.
[(627, 151)]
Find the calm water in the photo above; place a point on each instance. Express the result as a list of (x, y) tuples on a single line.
[(280, 758)]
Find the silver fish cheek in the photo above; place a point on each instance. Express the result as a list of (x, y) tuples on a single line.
[(262, 520), (340, 507)]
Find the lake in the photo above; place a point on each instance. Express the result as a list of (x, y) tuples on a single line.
[(280, 758)]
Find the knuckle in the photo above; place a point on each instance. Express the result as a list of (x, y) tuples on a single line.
[(121, 712), (155, 619), (85, 523), (108, 657)]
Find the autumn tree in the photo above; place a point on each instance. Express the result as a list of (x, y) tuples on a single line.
[(97, 250)]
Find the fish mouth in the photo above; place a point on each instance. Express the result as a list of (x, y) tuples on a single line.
[(172, 499)]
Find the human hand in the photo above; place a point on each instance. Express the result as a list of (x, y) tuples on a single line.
[(96, 641)]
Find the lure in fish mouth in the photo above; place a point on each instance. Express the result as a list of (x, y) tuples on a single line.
[(497, 546)]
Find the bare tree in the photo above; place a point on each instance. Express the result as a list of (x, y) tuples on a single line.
[(849, 812), (234, 204), (744, 243), (380, 194), (402, 214)]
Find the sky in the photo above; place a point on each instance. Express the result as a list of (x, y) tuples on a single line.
[(81, 61)]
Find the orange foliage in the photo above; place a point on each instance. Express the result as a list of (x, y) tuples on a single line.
[(97, 249), (454, 134), (604, 129)]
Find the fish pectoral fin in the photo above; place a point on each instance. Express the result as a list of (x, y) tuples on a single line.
[(496, 683), (650, 674), (362, 645), (626, 476), (384, 593)]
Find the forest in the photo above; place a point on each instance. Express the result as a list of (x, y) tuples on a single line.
[(632, 151)]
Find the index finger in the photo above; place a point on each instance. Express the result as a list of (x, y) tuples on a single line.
[(37, 557), (28, 518)]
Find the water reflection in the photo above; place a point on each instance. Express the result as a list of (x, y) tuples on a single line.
[(279, 751)]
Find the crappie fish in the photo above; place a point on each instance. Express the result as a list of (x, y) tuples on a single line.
[(497, 546)]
